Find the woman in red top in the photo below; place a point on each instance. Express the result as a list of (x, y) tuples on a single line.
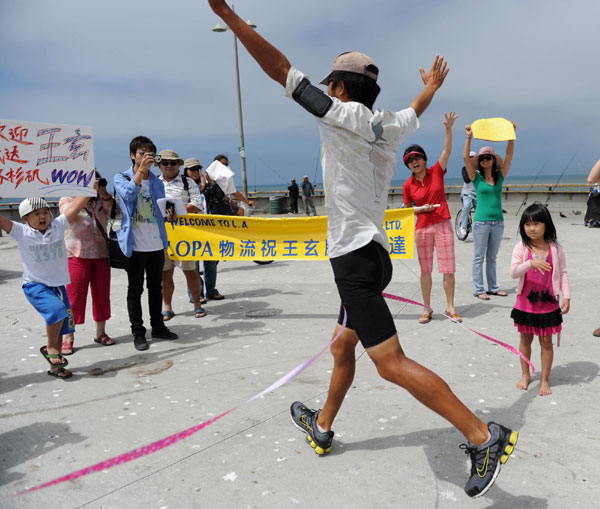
[(433, 229)]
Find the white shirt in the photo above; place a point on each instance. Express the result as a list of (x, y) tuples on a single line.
[(359, 150), (44, 255), (176, 189)]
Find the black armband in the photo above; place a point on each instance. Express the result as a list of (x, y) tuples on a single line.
[(312, 99)]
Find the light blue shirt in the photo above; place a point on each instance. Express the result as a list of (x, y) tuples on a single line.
[(127, 193)]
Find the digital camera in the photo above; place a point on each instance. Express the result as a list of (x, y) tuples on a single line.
[(157, 159)]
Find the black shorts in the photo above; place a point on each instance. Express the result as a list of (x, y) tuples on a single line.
[(361, 276)]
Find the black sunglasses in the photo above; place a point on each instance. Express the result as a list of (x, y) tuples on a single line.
[(413, 159), (195, 168), (486, 157), (168, 162)]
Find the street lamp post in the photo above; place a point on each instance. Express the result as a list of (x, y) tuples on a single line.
[(242, 149)]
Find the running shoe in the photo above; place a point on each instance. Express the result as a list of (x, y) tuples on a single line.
[(487, 458), (305, 420)]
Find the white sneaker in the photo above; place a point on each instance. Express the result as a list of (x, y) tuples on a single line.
[(462, 231)]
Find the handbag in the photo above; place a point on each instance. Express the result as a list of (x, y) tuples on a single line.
[(116, 257)]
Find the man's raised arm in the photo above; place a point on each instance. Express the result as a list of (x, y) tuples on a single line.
[(272, 61)]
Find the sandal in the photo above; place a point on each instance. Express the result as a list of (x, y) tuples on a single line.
[(104, 339), (48, 356), (499, 293), (217, 296), (60, 373), (454, 316), (482, 296), (199, 312), (66, 348), (167, 315), (426, 316)]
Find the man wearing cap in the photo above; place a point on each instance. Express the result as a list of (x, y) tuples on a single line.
[(308, 192), (143, 239), (185, 189), (359, 150), (294, 193)]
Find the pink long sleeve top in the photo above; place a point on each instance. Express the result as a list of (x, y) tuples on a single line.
[(520, 265)]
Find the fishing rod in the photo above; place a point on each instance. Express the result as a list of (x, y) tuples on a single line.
[(273, 170), (559, 177), (531, 187)]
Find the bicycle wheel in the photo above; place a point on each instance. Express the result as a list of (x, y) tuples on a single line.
[(457, 226)]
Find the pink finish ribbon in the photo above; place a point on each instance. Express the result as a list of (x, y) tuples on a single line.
[(508, 347), (170, 440)]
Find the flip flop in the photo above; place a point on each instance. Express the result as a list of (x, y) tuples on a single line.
[(217, 296), (499, 293), (66, 348), (167, 315), (104, 339), (454, 316), (57, 373), (426, 317), (482, 296), (199, 312), (48, 356)]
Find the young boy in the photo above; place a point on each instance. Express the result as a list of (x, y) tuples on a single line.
[(41, 243), (359, 153)]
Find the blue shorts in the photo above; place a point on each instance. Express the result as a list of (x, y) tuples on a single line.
[(52, 303)]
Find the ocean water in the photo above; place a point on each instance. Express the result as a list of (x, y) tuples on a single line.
[(527, 180)]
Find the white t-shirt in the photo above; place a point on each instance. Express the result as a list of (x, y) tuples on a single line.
[(144, 222), (44, 255), (359, 149)]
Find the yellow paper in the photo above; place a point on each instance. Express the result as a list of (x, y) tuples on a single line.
[(212, 237), (493, 129)]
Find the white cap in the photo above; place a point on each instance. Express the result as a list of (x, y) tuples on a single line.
[(31, 204)]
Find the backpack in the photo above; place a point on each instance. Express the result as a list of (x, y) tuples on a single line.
[(592, 214), (216, 201)]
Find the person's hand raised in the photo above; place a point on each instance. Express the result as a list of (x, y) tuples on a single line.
[(437, 74)]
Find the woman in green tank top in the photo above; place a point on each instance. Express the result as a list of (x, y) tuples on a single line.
[(487, 171)]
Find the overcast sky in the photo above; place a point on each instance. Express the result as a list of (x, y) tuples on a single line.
[(150, 67)]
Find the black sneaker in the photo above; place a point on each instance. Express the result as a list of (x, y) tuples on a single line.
[(487, 458), (140, 343), (163, 333), (306, 420)]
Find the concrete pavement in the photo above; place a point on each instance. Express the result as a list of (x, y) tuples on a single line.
[(388, 451)]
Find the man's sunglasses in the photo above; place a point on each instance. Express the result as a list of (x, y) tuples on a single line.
[(168, 162), (486, 157)]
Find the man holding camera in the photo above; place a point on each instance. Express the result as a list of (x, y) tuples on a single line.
[(180, 187), (143, 239)]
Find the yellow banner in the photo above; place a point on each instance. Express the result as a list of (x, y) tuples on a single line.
[(202, 237)]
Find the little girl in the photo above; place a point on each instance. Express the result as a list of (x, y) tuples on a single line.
[(540, 264)]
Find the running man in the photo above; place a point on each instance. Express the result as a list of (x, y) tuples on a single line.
[(359, 153)]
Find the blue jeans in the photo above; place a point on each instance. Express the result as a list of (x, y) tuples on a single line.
[(469, 201), (208, 285), (487, 236)]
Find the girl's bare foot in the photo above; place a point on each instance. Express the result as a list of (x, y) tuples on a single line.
[(523, 383), (544, 389)]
